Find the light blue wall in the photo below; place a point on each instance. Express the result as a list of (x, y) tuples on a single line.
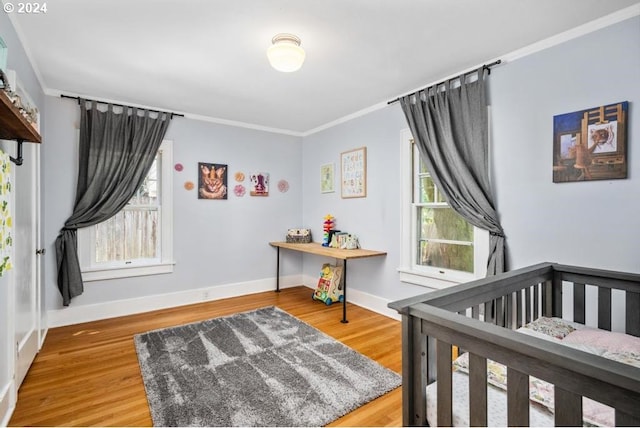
[(216, 242), (593, 224), (376, 219)]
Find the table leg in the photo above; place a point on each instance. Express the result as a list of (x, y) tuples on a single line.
[(344, 293), (278, 270)]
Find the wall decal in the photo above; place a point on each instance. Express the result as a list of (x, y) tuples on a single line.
[(283, 186), (6, 221), (178, 167), (239, 176), (239, 190), (189, 185)]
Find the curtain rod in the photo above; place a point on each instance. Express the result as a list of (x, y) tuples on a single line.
[(119, 105), (485, 66)]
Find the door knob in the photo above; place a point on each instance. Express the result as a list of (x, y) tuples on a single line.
[(41, 251)]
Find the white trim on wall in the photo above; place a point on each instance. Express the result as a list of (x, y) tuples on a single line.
[(574, 33), (549, 42), (360, 298), (86, 313), (75, 315), (6, 406)]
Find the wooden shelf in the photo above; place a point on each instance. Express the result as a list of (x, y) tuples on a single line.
[(13, 125), (317, 249)]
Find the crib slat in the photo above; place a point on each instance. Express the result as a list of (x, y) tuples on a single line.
[(557, 294), (444, 386), (517, 398), (428, 362), (625, 420), (527, 304), (519, 308), (536, 301), (477, 391), (547, 299), (508, 310), (568, 408), (604, 308), (415, 373), (489, 314), (499, 312), (475, 312), (578, 302), (633, 313)]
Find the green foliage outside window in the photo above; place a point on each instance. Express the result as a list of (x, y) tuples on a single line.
[(445, 240)]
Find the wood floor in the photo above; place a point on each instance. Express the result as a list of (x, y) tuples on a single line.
[(88, 374)]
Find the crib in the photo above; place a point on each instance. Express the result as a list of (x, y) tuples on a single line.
[(481, 318)]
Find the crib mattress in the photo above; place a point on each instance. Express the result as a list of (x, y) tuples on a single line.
[(616, 346), (496, 405)]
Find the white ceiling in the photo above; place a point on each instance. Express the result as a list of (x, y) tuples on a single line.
[(207, 58)]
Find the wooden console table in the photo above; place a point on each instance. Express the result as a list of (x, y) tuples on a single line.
[(319, 250)]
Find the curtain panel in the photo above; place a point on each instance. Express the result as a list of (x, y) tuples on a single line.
[(450, 128), (116, 152)]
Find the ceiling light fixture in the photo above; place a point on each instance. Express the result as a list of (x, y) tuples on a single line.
[(285, 54)]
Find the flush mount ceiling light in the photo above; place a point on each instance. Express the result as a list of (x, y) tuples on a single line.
[(285, 54)]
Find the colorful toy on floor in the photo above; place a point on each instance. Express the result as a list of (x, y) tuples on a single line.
[(327, 226), (329, 287)]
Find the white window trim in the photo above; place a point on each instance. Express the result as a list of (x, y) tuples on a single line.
[(139, 267), (421, 275)]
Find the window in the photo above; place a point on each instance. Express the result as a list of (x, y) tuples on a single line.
[(439, 247), (138, 240)]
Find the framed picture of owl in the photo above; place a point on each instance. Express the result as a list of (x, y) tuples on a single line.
[(591, 144)]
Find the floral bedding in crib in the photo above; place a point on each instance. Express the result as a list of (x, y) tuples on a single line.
[(616, 346)]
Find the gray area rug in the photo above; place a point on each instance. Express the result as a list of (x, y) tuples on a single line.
[(258, 368)]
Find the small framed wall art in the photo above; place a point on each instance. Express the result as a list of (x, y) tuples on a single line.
[(327, 180), (259, 184), (353, 173)]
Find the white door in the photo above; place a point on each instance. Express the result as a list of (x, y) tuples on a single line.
[(27, 307)]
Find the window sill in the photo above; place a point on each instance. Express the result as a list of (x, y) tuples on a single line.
[(421, 278), (100, 274)]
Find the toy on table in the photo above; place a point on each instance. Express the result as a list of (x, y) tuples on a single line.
[(327, 226), (344, 241), (329, 287)]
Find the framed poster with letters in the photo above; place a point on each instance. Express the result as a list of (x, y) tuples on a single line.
[(353, 173)]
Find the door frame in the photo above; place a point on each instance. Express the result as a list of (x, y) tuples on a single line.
[(30, 344)]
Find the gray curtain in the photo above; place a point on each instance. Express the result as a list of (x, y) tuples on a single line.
[(450, 128), (115, 155)]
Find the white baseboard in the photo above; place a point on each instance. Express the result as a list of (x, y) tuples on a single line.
[(360, 298), (86, 313), (75, 315), (7, 404)]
